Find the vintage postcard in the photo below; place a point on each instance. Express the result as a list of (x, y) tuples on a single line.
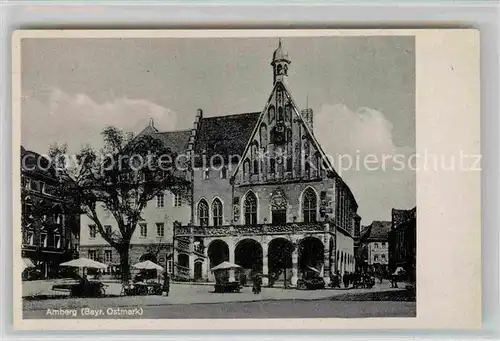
[(248, 179)]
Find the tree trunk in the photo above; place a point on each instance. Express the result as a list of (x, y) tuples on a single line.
[(124, 263)]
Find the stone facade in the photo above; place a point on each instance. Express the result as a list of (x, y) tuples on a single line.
[(378, 254), (49, 228), (374, 246), (264, 195), (104, 253), (280, 189), (403, 242), (156, 229)]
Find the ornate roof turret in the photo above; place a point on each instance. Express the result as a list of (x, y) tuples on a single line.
[(280, 54), (280, 64)]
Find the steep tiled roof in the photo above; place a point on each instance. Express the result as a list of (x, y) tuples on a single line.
[(364, 230), (378, 230), (175, 140), (225, 135), (400, 216), (32, 162)]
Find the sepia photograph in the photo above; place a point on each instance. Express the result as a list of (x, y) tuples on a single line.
[(219, 177)]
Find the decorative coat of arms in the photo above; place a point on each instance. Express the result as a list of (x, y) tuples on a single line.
[(279, 200)]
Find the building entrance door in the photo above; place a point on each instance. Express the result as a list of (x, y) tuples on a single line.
[(197, 271)]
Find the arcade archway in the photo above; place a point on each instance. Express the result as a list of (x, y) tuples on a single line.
[(218, 252), (248, 254), (311, 253), (280, 260)]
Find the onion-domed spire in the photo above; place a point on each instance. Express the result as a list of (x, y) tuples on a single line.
[(280, 64)]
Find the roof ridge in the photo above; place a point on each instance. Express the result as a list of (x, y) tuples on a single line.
[(233, 115), (174, 131)]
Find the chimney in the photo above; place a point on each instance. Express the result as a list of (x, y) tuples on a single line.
[(199, 114), (307, 115)]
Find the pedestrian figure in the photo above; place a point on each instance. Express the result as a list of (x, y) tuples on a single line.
[(336, 280), (394, 281), (258, 284), (346, 279), (166, 284)]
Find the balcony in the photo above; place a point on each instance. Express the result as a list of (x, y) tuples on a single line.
[(260, 229), (182, 245)]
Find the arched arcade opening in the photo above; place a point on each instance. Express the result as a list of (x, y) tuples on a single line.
[(248, 254), (311, 254), (280, 260)]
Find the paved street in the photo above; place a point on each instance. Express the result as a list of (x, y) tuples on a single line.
[(199, 301), (259, 309)]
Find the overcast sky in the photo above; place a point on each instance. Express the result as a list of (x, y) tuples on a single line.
[(362, 91)]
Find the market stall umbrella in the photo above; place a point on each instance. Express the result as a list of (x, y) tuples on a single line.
[(85, 263), (314, 269), (27, 263), (148, 265), (398, 271), (225, 266)]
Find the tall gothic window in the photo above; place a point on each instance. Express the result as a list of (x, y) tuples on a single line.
[(246, 167), (272, 165), (309, 206), (307, 170), (255, 157), (271, 112), (255, 150), (263, 135), (203, 212), (278, 208), (251, 209), (318, 165), (217, 212)]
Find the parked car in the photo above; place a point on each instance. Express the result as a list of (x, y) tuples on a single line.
[(311, 283)]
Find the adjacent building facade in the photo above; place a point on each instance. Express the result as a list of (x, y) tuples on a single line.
[(153, 237), (49, 224), (263, 195), (403, 241), (374, 247)]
